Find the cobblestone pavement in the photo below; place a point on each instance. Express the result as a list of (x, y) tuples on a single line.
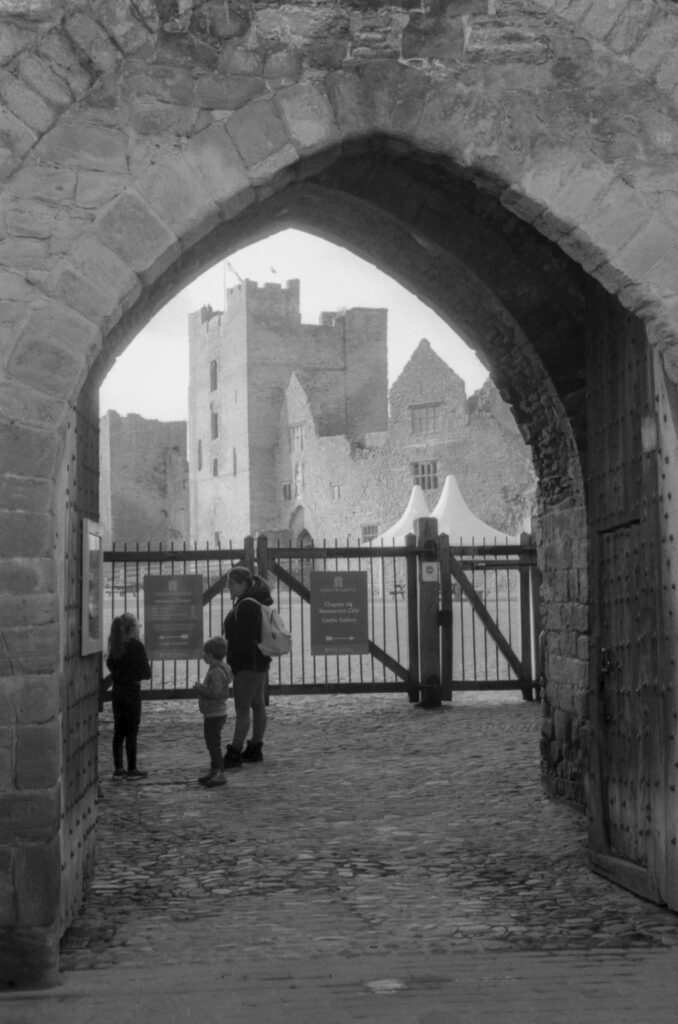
[(372, 828)]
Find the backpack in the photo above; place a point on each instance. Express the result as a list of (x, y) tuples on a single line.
[(276, 638)]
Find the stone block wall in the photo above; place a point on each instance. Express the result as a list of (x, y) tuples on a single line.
[(142, 141), (145, 476), (365, 333), (348, 486), (565, 608), (257, 345)]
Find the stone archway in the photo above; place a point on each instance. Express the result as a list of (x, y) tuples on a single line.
[(484, 159)]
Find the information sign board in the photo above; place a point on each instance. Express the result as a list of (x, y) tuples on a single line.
[(92, 597), (339, 613), (173, 617)]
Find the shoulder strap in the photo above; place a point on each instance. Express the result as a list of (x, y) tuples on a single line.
[(258, 603)]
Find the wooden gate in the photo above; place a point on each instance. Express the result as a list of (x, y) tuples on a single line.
[(473, 630), (628, 731)]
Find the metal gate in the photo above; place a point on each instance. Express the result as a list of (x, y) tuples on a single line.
[(480, 624)]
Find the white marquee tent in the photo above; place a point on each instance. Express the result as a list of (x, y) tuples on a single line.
[(454, 518), (416, 509), (460, 524)]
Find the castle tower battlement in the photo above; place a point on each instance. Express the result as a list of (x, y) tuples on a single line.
[(241, 363), (266, 301)]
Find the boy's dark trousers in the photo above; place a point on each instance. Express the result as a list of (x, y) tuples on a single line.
[(213, 727)]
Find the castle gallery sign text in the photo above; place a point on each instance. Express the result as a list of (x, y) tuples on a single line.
[(339, 613)]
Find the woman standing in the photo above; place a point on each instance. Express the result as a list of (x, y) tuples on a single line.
[(127, 662), (242, 629)]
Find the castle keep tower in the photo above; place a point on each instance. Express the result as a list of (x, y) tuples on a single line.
[(241, 361)]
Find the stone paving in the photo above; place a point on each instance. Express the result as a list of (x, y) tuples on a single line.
[(372, 829)]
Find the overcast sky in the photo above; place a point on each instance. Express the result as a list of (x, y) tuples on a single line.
[(151, 376)]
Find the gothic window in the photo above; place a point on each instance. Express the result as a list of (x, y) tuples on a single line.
[(298, 479), (214, 415), (215, 467), (199, 454), (213, 375), (287, 492), (297, 438), (369, 531), (335, 491), (425, 474), (425, 419)]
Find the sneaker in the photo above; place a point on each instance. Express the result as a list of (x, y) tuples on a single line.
[(119, 774), (134, 773), (215, 779)]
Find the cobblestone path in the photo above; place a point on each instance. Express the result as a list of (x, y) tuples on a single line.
[(371, 827)]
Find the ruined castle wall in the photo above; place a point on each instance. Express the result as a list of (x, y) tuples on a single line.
[(147, 479), (348, 487), (256, 346), (366, 371)]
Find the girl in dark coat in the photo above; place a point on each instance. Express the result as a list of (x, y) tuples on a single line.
[(127, 662), (242, 629)]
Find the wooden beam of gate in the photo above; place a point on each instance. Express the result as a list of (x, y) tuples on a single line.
[(388, 662), (485, 617), (214, 589), (304, 592), (290, 581)]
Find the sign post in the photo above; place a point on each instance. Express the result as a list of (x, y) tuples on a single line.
[(429, 639), (92, 597), (173, 617), (339, 613)]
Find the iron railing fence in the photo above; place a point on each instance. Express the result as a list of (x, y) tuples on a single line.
[(487, 612)]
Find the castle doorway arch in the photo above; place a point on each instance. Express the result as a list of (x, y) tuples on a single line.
[(534, 243)]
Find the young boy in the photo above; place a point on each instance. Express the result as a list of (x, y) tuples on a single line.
[(212, 695)]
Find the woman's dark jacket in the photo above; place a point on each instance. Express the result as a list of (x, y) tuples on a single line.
[(128, 670), (242, 629)]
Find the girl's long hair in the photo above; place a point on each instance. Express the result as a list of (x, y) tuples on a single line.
[(120, 635)]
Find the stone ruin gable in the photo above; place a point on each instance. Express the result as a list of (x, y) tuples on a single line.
[(328, 462), (426, 379), (148, 481), (485, 451), (295, 410), (495, 464), (326, 395)]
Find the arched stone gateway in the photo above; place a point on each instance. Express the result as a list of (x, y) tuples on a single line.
[(514, 164)]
